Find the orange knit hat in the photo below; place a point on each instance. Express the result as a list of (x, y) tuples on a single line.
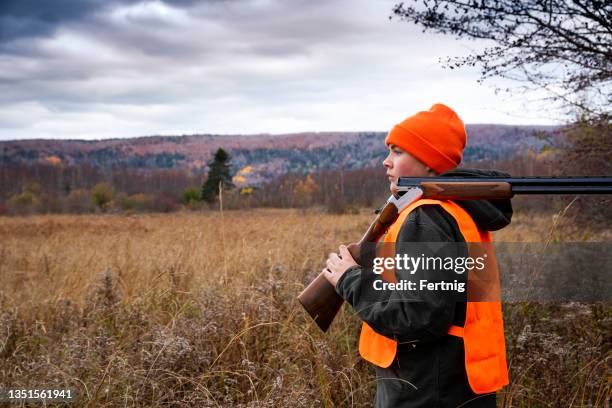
[(435, 137)]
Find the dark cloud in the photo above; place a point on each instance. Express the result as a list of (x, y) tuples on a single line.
[(40, 18), (32, 18)]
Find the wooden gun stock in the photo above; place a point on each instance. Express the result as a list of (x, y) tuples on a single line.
[(320, 298), (475, 190)]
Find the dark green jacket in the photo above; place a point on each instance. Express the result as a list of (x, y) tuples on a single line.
[(429, 369)]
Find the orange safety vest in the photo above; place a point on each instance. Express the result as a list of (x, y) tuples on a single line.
[(483, 331)]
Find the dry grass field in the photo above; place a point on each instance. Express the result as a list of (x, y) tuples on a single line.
[(199, 309)]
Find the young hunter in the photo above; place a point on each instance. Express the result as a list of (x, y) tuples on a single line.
[(435, 352)]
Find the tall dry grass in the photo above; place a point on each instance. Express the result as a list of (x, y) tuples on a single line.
[(200, 310)]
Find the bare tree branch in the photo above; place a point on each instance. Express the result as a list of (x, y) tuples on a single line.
[(551, 43)]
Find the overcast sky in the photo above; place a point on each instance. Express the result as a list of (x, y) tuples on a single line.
[(121, 68)]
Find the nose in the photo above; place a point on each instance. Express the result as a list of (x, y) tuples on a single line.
[(387, 162)]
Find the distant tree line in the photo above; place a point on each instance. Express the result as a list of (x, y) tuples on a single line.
[(30, 188), (60, 188)]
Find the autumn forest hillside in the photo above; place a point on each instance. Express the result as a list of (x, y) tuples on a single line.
[(163, 173)]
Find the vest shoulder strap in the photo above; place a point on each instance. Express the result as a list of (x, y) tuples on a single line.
[(467, 226)]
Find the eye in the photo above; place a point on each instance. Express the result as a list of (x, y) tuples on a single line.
[(396, 150)]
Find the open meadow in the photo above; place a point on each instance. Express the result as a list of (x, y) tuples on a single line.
[(200, 309)]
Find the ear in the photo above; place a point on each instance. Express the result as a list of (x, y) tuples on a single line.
[(430, 172)]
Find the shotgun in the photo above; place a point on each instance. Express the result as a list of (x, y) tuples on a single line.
[(320, 298)]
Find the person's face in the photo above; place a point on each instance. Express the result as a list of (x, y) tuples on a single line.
[(400, 163)]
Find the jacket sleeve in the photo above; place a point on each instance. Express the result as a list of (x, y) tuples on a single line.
[(400, 314)]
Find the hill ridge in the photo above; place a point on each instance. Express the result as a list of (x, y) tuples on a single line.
[(267, 155)]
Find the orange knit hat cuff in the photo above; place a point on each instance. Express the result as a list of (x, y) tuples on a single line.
[(420, 148)]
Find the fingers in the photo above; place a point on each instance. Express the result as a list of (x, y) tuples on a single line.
[(332, 262), (330, 276), (346, 255), (334, 257), (336, 265)]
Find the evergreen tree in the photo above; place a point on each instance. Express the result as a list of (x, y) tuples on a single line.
[(219, 172)]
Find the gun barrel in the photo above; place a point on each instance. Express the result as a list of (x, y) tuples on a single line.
[(523, 185), (562, 189)]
